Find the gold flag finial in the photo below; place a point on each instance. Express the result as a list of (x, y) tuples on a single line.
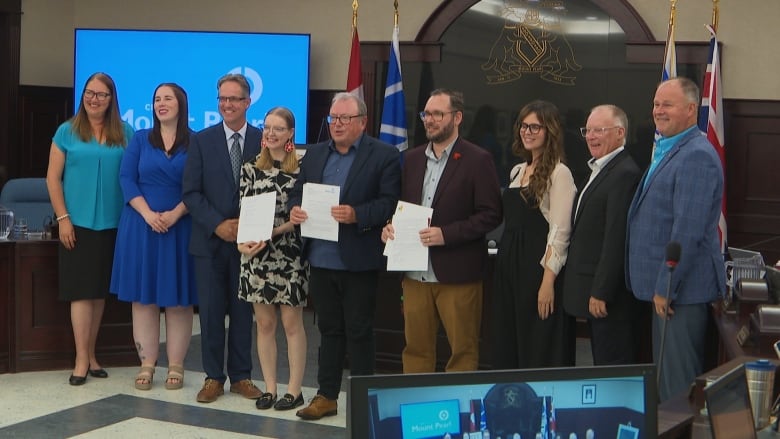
[(672, 14), (715, 14), (354, 13), (395, 16)]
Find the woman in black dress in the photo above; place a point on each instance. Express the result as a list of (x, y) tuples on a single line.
[(530, 327)]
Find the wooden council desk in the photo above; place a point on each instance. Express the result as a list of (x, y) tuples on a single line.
[(35, 328)]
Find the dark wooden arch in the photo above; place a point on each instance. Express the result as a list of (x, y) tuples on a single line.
[(641, 45), (621, 11)]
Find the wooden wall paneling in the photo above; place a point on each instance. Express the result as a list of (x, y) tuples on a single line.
[(41, 111), (43, 335), (10, 47), (6, 303), (752, 180)]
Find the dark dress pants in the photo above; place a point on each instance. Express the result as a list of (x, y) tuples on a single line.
[(217, 279), (344, 302)]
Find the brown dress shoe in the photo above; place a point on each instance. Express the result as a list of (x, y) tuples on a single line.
[(212, 389), (246, 388), (319, 407)]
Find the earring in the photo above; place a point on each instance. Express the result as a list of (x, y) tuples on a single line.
[(264, 144), (289, 146)]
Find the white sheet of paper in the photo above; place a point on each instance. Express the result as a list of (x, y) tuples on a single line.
[(317, 202), (406, 252), (256, 220)]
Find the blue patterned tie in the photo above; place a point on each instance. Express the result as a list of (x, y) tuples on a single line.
[(235, 155)]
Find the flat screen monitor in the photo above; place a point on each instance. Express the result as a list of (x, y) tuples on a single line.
[(276, 65), (728, 406), (613, 401)]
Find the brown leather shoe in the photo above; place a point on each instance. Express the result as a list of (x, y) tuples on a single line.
[(246, 388), (319, 407), (212, 389)]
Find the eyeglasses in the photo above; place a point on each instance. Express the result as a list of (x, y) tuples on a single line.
[(101, 96), (595, 131), (437, 116), (230, 99), (534, 128), (344, 119), (275, 130)]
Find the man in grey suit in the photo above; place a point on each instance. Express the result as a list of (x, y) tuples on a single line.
[(678, 199), (210, 192), (595, 285)]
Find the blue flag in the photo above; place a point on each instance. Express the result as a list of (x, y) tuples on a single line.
[(393, 129)]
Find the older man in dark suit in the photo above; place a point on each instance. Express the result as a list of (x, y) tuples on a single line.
[(595, 285), (210, 186), (678, 199), (344, 273), (458, 180)]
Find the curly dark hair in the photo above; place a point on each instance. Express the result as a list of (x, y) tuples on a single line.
[(552, 150)]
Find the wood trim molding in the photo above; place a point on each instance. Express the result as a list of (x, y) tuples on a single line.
[(621, 11)]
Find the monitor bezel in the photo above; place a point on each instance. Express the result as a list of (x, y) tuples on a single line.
[(358, 387), (737, 373)]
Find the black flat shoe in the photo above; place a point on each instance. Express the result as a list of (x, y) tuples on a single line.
[(266, 401), (76, 380), (289, 402), (98, 373)]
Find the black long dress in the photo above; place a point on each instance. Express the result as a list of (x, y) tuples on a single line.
[(520, 338)]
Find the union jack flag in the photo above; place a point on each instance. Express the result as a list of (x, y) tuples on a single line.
[(711, 119)]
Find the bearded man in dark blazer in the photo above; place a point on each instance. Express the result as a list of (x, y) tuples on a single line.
[(594, 285), (458, 180)]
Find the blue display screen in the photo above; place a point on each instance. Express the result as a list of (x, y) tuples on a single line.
[(276, 65), (427, 419)]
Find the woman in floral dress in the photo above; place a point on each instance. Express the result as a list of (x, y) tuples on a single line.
[(272, 273)]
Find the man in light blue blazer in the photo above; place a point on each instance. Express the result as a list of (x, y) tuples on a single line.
[(210, 192), (344, 273), (678, 199)]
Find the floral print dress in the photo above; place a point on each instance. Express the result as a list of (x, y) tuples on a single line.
[(276, 275)]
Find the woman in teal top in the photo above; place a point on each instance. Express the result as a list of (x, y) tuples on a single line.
[(83, 183)]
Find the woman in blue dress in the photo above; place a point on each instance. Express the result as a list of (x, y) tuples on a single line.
[(83, 184), (152, 265), (273, 273)]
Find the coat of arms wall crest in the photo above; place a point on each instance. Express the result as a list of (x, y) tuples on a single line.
[(531, 42)]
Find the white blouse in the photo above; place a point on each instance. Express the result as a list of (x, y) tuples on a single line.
[(556, 205)]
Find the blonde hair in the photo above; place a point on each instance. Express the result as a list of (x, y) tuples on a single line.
[(290, 162)]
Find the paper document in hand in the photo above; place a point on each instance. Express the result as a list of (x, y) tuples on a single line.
[(256, 220), (406, 252), (317, 201)]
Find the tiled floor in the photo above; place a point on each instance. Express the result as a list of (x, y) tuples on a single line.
[(43, 405)]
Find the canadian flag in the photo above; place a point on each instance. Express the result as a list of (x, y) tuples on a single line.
[(355, 73)]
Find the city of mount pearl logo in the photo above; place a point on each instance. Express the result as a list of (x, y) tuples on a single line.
[(255, 82)]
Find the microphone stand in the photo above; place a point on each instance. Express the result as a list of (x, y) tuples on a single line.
[(671, 265)]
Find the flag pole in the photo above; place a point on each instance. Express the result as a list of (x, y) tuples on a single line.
[(715, 14), (354, 14), (395, 16), (670, 31)]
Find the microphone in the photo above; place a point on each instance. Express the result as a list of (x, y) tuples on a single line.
[(673, 251)]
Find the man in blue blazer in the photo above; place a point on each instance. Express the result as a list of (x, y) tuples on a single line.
[(678, 199), (343, 278), (210, 187)]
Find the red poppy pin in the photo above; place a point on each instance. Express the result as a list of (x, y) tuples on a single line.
[(456, 156)]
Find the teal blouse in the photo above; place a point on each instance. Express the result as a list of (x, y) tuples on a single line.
[(90, 181)]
